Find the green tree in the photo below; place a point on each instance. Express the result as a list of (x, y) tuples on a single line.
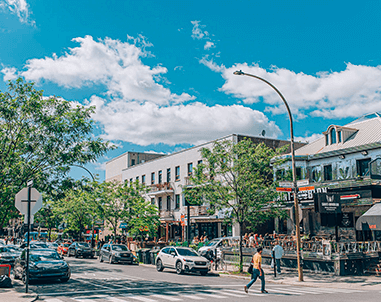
[(41, 138), (123, 202), (238, 179)]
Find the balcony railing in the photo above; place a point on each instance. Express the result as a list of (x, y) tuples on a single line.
[(166, 186), (166, 214), (198, 211)]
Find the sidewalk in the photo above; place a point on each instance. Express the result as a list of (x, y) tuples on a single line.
[(17, 293), (318, 279)]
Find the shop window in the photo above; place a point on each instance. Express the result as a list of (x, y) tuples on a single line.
[(363, 167), (177, 173), (177, 201), (328, 172)]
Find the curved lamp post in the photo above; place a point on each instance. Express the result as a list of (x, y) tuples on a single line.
[(296, 204)]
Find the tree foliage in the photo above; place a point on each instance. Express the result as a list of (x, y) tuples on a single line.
[(238, 179), (40, 138)]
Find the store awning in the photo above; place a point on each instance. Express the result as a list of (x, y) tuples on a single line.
[(370, 220)]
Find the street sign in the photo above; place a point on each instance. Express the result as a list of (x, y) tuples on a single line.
[(286, 184), (284, 189), (22, 197), (307, 188)]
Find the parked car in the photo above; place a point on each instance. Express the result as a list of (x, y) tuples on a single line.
[(80, 249), (35, 245), (218, 243), (52, 245), (43, 264), (116, 253), (183, 259), (8, 255), (63, 248)]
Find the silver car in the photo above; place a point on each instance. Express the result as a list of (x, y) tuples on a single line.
[(183, 259)]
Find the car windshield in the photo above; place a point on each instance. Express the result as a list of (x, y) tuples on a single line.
[(44, 256), (39, 244), (186, 252), (213, 242), (119, 248), (4, 249), (85, 244)]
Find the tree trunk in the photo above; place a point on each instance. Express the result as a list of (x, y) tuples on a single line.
[(240, 248)]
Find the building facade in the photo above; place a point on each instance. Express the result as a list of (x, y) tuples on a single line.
[(166, 176), (346, 161)]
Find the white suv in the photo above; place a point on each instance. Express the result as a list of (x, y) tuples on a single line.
[(183, 259)]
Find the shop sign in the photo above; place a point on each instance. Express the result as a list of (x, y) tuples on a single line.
[(303, 196), (346, 220), (327, 203)]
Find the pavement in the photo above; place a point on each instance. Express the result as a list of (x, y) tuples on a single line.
[(288, 277)]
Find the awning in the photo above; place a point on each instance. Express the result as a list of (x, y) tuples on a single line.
[(371, 219)]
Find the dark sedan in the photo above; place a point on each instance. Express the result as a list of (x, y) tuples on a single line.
[(80, 249), (114, 253), (8, 255), (43, 264)]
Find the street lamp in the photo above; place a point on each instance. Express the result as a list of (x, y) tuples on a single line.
[(296, 204)]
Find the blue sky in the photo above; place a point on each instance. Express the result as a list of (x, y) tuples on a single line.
[(160, 73)]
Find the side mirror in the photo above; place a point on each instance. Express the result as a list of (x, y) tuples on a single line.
[(173, 254)]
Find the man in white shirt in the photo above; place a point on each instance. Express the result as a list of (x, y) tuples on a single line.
[(277, 254)]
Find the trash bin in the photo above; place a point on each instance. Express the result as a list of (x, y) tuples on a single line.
[(139, 254), (153, 254), (146, 256)]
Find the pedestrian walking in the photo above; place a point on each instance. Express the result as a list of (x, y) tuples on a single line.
[(277, 253), (257, 272)]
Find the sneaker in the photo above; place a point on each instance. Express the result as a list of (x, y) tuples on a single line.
[(245, 289), (278, 273), (265, 292)]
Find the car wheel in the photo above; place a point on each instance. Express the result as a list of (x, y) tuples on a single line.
[(110, 260), (66, 279), (203, 273), (179, 268), (23, 278), (76, 255), (159, 265), (100, 258)]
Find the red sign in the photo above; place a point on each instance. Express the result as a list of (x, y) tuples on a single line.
[(307, 188), (284, 189), (354, 196)]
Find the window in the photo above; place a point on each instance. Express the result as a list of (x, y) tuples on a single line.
[(298, 173), (152, 201), (159, 202), (190, 168), (152, 178), (363, 167), (160, 180), (333, 136), (199, 162), (143, 179), (326, 140), (137, 178), (168, 174), (168, 203), (132, 162), (339, 136), (177, 173), (177, 201), (328, 172), (130, 180)]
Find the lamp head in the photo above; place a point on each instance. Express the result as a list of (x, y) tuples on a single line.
[(240, 72)]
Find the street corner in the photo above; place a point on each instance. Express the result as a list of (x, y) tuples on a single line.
[(14, 295)]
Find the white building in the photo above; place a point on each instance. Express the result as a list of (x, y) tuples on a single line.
[(167, 175)]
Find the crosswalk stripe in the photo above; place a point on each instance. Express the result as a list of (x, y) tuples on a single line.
[(304, 291), (211, 295), (114, 299), (236, 292), (285, 291), (191, 297), (166, 297), (53, 300), (141, 298), (226, 293)]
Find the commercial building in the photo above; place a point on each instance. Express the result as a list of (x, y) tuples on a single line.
[(345, 161), (166, 176)]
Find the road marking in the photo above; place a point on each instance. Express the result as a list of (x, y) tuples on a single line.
[(285, 291), (89, 298), (114, 299), (303, 291), (53, 300), (191, 297), (211, 295), (140, 298), (166, 297), (236, 293), (224, 292)]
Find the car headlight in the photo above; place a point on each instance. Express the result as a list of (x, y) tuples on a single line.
[(116, 253), (187, 260)]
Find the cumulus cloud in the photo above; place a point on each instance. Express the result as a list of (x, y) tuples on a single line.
[(348, 93), (19, 8), (10, 73), (109, 62), (193, 123), (309, 138), (209, 45), (198, 31)]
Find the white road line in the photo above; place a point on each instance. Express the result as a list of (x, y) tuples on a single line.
[(211, 295), (224, 292), (53, 300), (303, 291), (89, 298), (166, 297), (114, 299), (285, 291), (192, 297), (141, 298), (236, 292), (336, 290)]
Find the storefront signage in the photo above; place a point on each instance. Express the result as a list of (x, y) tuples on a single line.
[(327, 203), (303, 196), (353, 196)]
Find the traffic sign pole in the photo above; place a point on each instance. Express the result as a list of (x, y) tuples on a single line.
[(28, 239)]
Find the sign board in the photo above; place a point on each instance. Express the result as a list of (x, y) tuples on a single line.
[(183, 220), (290, 184), (327, 203), (284, 189), (22, 205)]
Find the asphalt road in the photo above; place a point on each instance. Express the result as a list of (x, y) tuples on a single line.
[(93, 281)]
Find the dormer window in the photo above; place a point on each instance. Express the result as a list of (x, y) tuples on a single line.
[(339, 135), (333, 136)]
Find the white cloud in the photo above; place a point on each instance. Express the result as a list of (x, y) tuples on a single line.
[(198, 31), (349, 93), (19, 8), (209, 45), (308, 139), (193, 123), (115, 64), (10, 73)]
